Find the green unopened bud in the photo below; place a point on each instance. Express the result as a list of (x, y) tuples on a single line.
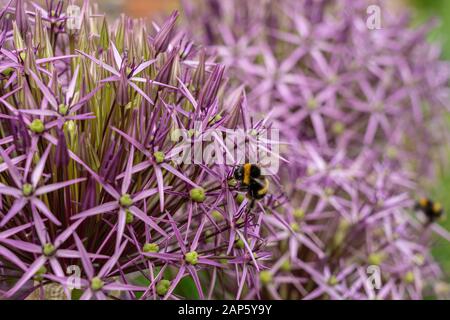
[(150, 247), (23, 55), (197, 194), (162, 287), (97, 284), (63, 109), (216, 215), (376, 258), (129, 218), (240, 244), (37, 126), (27, 189), (240, 198), (232, 182), (159, 156), (409, 277), (286, 265), (265, 277), (39, 274), (299, 213), (48, 249), (295, 227), (338, 128), (126, 201), (191, 257)]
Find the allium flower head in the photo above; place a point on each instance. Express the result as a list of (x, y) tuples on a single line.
[(90, 171)]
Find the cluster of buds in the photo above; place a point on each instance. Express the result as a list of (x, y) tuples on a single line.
[(89, 175)]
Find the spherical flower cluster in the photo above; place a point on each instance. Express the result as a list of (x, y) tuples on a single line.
[(327, 75), (361, 110), (90, 178)]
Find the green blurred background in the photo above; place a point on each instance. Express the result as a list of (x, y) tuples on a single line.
[(440, 9)]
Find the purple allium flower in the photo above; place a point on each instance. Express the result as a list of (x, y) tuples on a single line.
[(90, 172)]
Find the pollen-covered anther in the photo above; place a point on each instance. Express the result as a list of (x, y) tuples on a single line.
[(265, 277), (191, 257), (159, 156), (126, 200), (63, 109), (48, 249), (97, 284), (37, 126), (129, 217), (27, 190), (150, 247), (162, 287)]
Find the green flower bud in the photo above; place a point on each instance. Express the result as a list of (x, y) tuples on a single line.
[(150, 247), (37, 126), (48, 249), (162, 287), (299, 213), (159, 156), (239, 244), (338, 128), (191, 257), (27, 189), (197, 194), (376, 258), (295, 227), (130, 217), (126, 201), (97, 284), (23, 55), (265, 277), (39, 274), (216, 215), (63, 109)]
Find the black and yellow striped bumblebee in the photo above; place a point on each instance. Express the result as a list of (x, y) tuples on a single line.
[(431, 209), (249, 175)]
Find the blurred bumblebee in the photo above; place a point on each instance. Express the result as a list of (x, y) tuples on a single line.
[(249, 175), (432, 210)]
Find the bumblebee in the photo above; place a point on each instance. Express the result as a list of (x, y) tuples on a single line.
[(251, 180), (432, 210)]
